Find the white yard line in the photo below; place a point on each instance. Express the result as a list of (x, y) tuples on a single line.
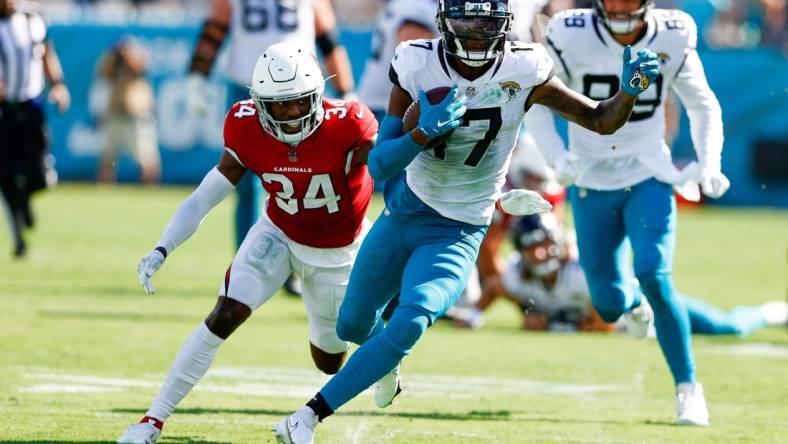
[(358, 434), (753, 349), (301, 383)]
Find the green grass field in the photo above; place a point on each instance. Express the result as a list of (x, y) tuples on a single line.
[(83, 349)]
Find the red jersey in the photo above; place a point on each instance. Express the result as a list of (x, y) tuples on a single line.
[(316, 194)]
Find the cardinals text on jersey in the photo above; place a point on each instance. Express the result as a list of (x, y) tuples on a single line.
[(462, 179), (318, 194)]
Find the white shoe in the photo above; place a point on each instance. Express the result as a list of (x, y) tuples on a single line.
[(691, 405), (297, 428), (140, 433), (387, 388), (639, 320), (775, 312)]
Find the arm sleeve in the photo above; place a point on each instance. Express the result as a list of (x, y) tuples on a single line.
[(213, 188), (393, 151), (703, 109), (539, 121)]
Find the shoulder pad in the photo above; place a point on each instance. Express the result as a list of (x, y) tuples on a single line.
[(563, 25), (677, 25)]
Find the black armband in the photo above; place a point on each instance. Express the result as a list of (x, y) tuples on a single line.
[(207, 47), (327, 41)]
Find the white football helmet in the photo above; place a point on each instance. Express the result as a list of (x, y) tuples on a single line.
[(287, 72)]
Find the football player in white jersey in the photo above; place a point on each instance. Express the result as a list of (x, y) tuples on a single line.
[(440, 197), (544, 278), (623, 181), (398, 21), (252, 26)]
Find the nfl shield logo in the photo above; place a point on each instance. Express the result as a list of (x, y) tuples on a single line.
[(470, 91)]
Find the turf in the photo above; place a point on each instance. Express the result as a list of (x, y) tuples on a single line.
[(82, 348)]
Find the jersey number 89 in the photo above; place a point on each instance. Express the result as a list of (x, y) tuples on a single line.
[(593, 84)]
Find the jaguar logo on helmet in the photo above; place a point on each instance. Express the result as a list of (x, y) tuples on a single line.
[(474, 31), (628, 21)]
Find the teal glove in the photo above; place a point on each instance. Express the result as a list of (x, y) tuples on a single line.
[(638, 74), (444, 116)]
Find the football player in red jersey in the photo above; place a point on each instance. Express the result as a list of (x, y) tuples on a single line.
[(310, 153)]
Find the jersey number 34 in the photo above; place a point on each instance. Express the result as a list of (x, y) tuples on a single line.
[(320, 184)]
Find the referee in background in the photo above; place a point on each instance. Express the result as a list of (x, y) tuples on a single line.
[(26, 58)]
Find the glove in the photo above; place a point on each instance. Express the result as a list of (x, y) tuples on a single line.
[(444, 116), (196, 85), (638, 74), (148, 265), (523, 203), (713, 183)]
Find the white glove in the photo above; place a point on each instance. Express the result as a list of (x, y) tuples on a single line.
[(148, 265), (566, 169), (714, 184), (524, 203), (196, 93)]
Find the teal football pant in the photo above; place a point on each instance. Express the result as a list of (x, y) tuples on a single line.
[(428, 258)]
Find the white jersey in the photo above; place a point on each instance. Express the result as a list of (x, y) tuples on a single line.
[(525, 12), (462, 179), (257, 24), (569, 295), (374, 89), (589, 60)]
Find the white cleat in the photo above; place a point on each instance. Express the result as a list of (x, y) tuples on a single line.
[(640, 320), (141, 433), (387, 388), (297, 428), (775, 312), (691, 405)]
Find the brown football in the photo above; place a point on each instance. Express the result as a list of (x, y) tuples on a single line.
[(411, 118)]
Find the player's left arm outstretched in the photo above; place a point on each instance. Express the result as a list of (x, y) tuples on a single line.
[(607, 116), (215, 186), (706, 129)]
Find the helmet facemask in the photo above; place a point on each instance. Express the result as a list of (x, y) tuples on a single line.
[(279, 128), (474, 33), (622, 23)]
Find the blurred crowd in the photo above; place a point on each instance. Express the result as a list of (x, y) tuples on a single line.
[(725, 23)]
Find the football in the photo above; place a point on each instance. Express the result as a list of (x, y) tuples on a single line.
[(411, 118)]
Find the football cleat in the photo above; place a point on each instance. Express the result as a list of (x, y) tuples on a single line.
[(639, 320), (691, 405), (297, 428), (775, 312), (387, 388), (147, 431)]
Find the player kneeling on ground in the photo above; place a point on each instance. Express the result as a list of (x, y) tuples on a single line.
[(311, 157)]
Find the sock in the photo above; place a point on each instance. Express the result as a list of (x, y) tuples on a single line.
[(190, 365), (321, 408)]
